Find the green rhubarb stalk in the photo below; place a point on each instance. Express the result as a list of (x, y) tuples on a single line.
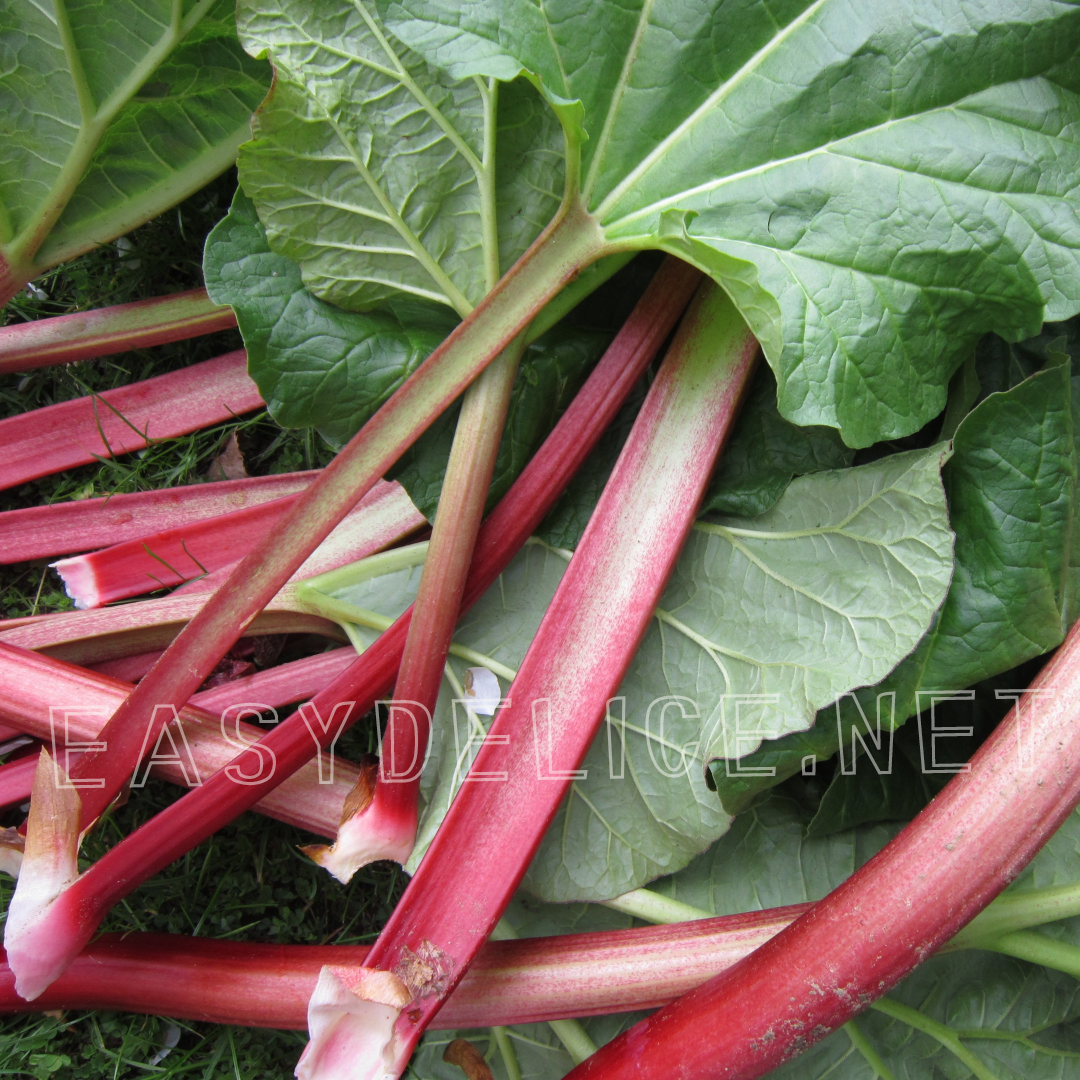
[(385, 826)]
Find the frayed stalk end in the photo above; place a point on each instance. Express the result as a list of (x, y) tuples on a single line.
[(36, 952), (351, 1018), (373, 827), (11, 851)]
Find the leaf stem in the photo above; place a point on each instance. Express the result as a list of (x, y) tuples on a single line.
[(67, 339), (506, 1052), (1037, 949), (654, 907), (862, 1044), (939, 1032), (1020, 910)]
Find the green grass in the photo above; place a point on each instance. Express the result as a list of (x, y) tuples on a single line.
[(249, 882)]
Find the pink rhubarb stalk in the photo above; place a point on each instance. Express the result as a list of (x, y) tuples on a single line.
[(528, 980), (384, 516), (65, 339), (16, 781), (59, 437), (37, 693), (39, 532), (573, 667), (90, 637), (203, 810), (892, 914), (283, 684)]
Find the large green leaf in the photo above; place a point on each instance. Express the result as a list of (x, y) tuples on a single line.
[(109, 114), (315, 365), (1012, 494), (378, 174), (875, 185), (859, 558)]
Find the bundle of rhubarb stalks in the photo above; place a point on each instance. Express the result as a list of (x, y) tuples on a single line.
[(677, 593)]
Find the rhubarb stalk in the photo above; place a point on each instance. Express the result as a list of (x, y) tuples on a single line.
[(37, 693), (205, 809), (66, 339), (527, 980), (38, 532), (893, 913), (574, 665), (385, 825), (382, 517), (82, 431)]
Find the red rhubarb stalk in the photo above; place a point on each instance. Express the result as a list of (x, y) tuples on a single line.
[(892, 914), (59, 437), (202, 811), (527, 980), (574, 666), (65, 339), (384, 516), (38, 532), (283, 684), (386, 827), (36, 692)]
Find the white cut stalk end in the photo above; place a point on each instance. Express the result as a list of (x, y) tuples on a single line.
[(11, 851), (368, 831), (80, 582), (35, 953), (351, 1018)]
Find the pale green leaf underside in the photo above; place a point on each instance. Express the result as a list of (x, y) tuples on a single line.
[(876, 185), (859, 559), (113, 112), (371, 170), (1011, 484)]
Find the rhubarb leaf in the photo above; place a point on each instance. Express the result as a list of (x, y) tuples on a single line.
[(377, 173), (109, 119), (764, 454), (871, 190), (315, 365), (319, 366), (863, 556), (1013, 503)]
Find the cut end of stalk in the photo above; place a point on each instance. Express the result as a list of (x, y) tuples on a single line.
[(372, 828), (36, 952), (11, 851), (351, 1018), (80, 582)]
